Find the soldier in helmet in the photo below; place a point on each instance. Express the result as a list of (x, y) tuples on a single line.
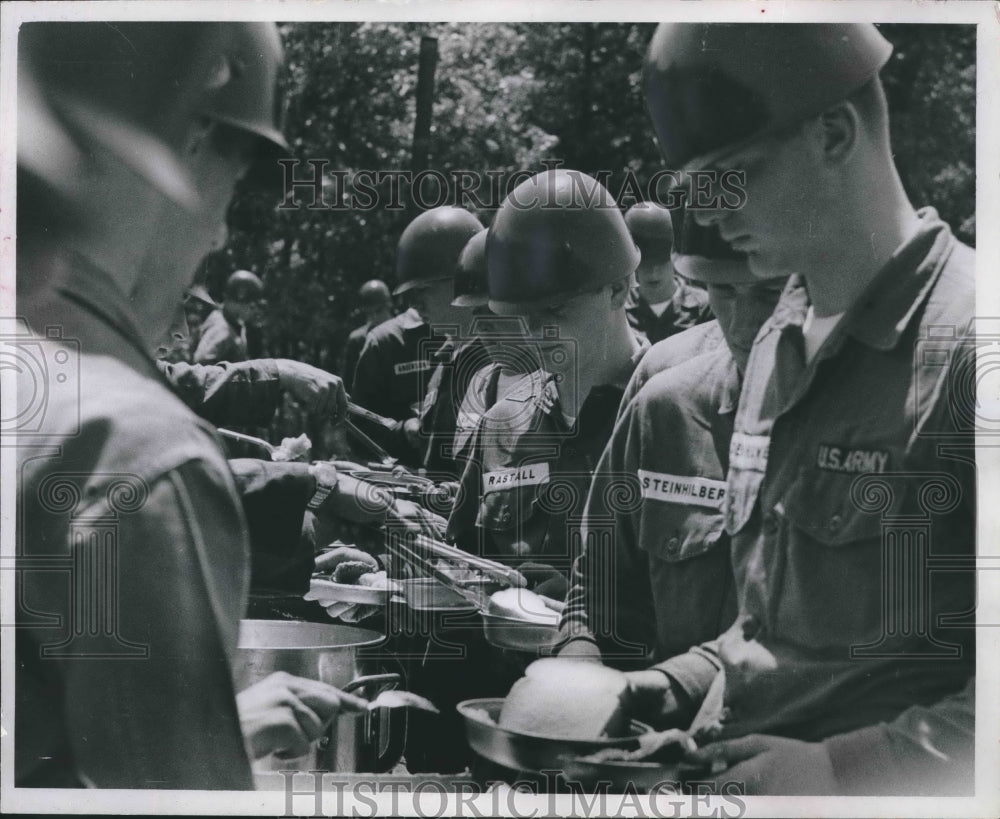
[(376, 304), (459, 360), (127, 682), (560, 257), (661, 304), (396, 361), (662, 580), (223, 336), (845, 417)]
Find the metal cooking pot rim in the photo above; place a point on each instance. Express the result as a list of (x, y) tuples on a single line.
[(281, 630)]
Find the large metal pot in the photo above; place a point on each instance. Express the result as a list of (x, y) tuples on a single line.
[(333, 654)]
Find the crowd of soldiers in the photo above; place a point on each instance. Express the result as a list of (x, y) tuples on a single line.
[(687, 423)]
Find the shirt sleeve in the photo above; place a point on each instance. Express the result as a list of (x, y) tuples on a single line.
[(925, 750), (167, 719), (610, 597), (240, 394), (274, 497), (370, 380)]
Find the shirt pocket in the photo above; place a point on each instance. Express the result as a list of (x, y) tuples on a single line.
[(675, 532), (833, 580)]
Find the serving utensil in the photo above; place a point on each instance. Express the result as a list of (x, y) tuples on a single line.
[(390, 698)]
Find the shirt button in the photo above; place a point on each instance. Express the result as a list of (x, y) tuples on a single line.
[(835, 523), (673, 545), (505, 516)]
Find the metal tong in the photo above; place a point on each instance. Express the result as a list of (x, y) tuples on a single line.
[(505, 574), (472, 595)]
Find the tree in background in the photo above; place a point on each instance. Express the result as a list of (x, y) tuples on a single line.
[(509, 96)]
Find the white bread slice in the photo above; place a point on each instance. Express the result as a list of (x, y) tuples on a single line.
[(568, 699), (522, 604)]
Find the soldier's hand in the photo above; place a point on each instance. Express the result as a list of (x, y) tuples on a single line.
[(283, 714), (655, 700), (545, 579), (414, 518), (322, 393), (770, 765), (411, 430)]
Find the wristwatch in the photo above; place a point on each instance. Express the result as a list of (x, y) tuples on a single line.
[(326, 481)]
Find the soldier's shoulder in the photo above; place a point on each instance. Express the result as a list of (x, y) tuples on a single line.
[(389, 331), (128, 421), (678, 348), (694, 382)]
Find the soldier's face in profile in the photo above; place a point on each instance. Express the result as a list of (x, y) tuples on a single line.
[(780, 227), (741, 310), (567, 331), (433, 302), (185, 236)]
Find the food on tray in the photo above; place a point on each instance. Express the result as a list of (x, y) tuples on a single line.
[(350, 571), (376, 580), (522, 604), (568, 699), (662, 747), (293, 449)]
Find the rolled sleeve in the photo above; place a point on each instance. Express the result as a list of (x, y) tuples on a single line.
[(245, 393)]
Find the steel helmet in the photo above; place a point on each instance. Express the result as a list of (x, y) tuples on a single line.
[(470, 275), (374, 293), (242, 285), (556, 235), (652, 229), (430, 246), (198, 293), (136, 88), (711, 87)]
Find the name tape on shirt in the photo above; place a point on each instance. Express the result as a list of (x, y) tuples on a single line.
[(749, 451), (851, 461), (682, 489), (407, 367), (515, 476)]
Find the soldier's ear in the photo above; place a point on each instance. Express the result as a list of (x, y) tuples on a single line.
[(837, 130), (619, 292)]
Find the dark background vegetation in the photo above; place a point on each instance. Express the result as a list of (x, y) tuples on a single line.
[(508, 96)]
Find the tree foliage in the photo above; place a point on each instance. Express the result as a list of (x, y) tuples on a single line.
[(507, 97)]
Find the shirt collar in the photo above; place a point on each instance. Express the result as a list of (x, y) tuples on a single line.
[(885, 309), (88, 303), (410, 319)]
